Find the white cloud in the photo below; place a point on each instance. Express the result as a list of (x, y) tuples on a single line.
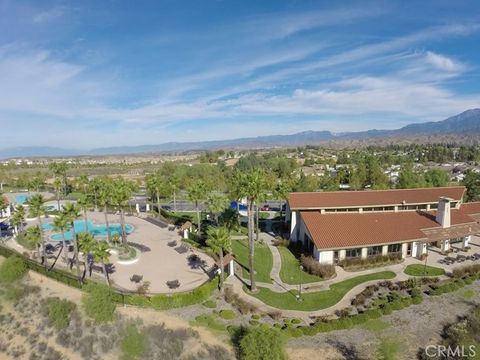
[(48, 15), (443, 62)]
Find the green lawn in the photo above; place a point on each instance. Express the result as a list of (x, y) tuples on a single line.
[(419, 270), (320, 299), (290, 272), (263, 260)]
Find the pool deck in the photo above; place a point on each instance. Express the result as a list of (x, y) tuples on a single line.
[(157, 262)]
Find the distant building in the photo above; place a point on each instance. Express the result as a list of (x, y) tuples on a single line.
[(359, 224)]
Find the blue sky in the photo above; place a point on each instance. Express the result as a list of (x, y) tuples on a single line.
[(84, 74)]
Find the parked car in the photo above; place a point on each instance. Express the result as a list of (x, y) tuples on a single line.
[(4, 226), (265, 207)]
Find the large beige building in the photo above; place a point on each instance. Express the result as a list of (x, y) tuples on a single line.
[(360, 224)]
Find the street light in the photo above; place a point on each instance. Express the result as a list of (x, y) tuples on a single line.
[(300, 292)]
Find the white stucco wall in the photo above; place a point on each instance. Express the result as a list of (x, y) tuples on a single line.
[(404, 250), (364, 253), (325, 257), (293, 226)]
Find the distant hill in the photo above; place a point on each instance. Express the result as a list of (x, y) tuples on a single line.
[(461, 127)]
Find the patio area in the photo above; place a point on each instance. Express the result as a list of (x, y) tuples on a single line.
[(162, 259)]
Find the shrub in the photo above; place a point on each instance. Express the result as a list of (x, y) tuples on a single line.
[(462, 271), (227, 314), (313, 267), (359, 263), (59, 311), (12, 269), (132, 343), (279, 241), (98, 302), (14, 293), (210, 304), (263, 342)]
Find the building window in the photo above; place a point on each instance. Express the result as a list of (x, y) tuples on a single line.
[(395, 248), (353, 253), (374, 251)]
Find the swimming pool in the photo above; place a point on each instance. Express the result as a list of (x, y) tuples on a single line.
[(94, 229), (21, 199)]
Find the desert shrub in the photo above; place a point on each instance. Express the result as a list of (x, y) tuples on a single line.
[(98, 302), (59, 311), (14, 293), (210, 304), (244, 307), (132, 343), (313, 267), (372, 261), (227, 314), (12, 269), (279, 241), (462, 271), (263, 342)]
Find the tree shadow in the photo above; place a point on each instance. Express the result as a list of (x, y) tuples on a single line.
[(348, 351)]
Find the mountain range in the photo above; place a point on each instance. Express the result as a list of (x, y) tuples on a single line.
[(462, 126)]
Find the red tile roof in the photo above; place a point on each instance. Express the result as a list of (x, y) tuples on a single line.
[(344, 230), (337, 199)]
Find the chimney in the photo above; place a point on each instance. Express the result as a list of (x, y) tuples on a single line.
[(443, 212)]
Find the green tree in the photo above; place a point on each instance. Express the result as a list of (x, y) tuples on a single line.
[(252, 185), (72, 213), (472, 184), (84, 204), (87, 245), (263, 343), (216, 203), (218, 241), (436, 177), (33, 237), (154, 185), (62, 224), (105, 199), (37, 209), (123, 190), (18, 219), (197, 192), (59, 170), (101, 255), (409, 179)]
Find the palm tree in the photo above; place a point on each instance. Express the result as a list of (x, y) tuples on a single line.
[(154, 184), (37, 210), (101, 255), (86, 244), (216, 203), (72, 213), (3, 205), (57, 184), (196, 193), (61, 224), (18, 219), (105, 199), (123, 190), (84, 204), (252, 185), (219, 241), (173, 185), (94, 187), (59, 170), (33, 237)]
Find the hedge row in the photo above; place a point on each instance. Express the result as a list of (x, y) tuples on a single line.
[(452, 285), (159, 302)]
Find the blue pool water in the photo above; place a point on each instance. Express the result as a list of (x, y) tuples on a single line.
[(21, 199), (94, 229)]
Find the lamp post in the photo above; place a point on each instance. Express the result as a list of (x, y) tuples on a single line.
[(300, 292)]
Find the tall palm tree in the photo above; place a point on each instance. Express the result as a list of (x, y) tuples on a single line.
[(218, 241), (57, 185), (173, 186), (105, 199), (86, 244), (196, 193), (123, 190), (94, 187), (61, 224), (18, 219), (37, 210), (216, 203), (252, 185), (33, 237), (101, 255), (59, 170), (72, 213), (84, 204), (154, 185)]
